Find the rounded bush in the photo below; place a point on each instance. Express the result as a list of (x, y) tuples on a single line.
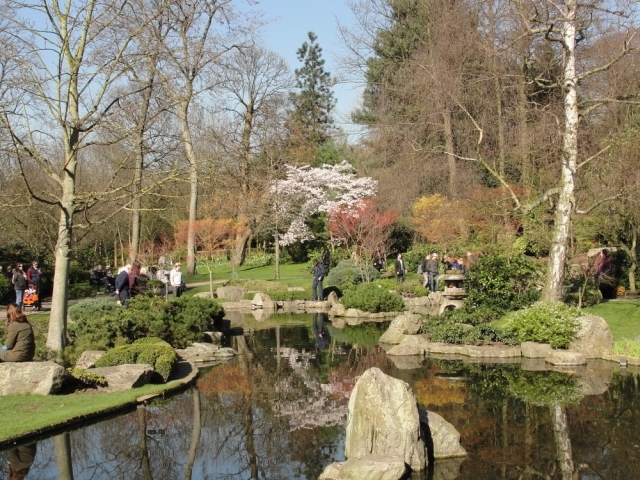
[(370, 298), (161, 356), (347, 274), (553, 323)]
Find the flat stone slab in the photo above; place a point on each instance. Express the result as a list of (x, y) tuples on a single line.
[(317, 305), (406, 350), (89, 358), (370, 467), (565, 357), (622, 359), (492, 352), (435, 347), (125, 377), (40, 378), (535, 349), (241, 305), (205, 352), (534, 365)]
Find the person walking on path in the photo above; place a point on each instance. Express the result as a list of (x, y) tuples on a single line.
[(175, 279), (20, 344), (19, 280), (433, 268), (34, 276), (400, 271), (122, 285), (318, 276), (378, 259)]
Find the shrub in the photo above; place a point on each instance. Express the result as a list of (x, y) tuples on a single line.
[(369, 298), (590, 298), (87, 378), (552, 323), (98, 325), (347, 274), (259, 260), (386, 283), (482, 334), (154, 288), (6, 290), (77, 274), (504, 282), (161, 356), (447, 333), (81, 291), (473, 315)]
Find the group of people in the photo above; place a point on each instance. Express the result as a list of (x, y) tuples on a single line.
[(26, 284), (431, 265), (132, 280)]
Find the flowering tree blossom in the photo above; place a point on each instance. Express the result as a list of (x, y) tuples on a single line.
[(308, 190)]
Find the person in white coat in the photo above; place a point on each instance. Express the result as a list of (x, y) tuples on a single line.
[(175, 279)]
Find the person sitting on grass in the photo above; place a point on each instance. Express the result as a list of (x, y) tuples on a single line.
[(20, 345)]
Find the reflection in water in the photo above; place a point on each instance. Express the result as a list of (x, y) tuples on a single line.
[(278, 412), (20, 460)]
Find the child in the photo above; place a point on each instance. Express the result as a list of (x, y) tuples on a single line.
[(30, 296)]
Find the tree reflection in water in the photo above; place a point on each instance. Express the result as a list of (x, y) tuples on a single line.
[(278, 412)]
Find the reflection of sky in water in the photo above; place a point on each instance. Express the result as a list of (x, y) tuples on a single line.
[(278, 412)]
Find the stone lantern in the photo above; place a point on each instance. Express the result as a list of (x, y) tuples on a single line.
[(454, 294)]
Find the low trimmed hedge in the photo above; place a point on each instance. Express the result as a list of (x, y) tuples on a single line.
[(544, 322), (282, 295), (100, 324), (145, 351), (370, 298)]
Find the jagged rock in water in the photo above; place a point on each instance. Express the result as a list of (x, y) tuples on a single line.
[(406, 324), (371, 467), (594, 338)]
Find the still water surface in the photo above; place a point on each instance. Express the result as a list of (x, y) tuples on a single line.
[(278, 412)]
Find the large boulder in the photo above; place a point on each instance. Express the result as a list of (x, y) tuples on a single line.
[(444, 436), (565, 358), (371, 467), (262, 300), (594, 338), (41, 378), (232, 293), (125, 377), (535, 349), (205, 352), (383, 419), (89, 358), (406, 324)]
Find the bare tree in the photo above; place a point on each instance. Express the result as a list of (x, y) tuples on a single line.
[(253, 83), (64, 91), (200, 33)]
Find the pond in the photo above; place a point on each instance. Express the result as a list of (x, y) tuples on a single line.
[(278, 412)]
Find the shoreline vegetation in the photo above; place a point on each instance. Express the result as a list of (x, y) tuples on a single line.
[(47, 414)]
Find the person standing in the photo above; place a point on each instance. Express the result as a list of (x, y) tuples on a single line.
[(318, 276), (34, 276), (326, 259), (400, 271), (425, 272), (433, 268), (9, 272), (122, 285), (175, 279), (19, 280)]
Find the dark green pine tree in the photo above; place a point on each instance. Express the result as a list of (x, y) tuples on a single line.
[(311, 117)]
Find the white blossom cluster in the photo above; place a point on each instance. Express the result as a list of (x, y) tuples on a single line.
[(308, 190)]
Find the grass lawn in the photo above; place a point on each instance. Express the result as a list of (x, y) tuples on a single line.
[(40, 411), (292, 275), (623, 317)]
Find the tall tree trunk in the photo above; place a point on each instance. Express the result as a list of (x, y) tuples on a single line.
[(193, 185), (64, 463), (139, 166), (56, 336), (240, 250), (561, 230), (497, 85), (632, 253)]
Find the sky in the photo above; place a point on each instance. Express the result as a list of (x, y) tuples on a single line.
[(291, 20)]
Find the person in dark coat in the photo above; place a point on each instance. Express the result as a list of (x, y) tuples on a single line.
[(400, 269), (318, 276), (326, 259), (34, 276), (20, 344), (19, 281), (122, 285)]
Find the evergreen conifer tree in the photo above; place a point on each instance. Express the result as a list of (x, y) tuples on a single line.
[(311, 120)]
